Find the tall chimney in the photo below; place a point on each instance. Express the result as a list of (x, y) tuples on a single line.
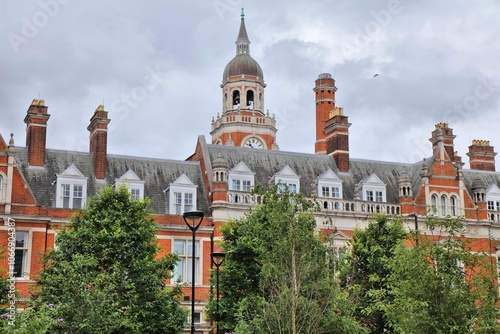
[(443, 135), (36, 132), (325, 101), (337, 138), (99, 141), (481, 156)]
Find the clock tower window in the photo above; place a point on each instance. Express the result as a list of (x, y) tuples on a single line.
[(250, 103), (236, 99)]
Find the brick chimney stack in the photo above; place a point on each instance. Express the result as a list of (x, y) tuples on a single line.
[(98, 129), (442, 134), (325, 101), (332, 126), (36, 132), (481, 156)]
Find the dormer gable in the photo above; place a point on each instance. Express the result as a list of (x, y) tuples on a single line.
[(181, 195), (286, 177), (241, 178), (329, 185), (71, 171), (71, 188), (372, 189), (133, 183), (493, 197)]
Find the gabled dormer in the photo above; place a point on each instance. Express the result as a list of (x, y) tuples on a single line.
[(372, 189), (329, 185), (133, 183), (493, 197), (71, 188), (287, 178), (181, 195), (241, 178)]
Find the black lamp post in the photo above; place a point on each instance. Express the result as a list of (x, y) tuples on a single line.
[(413, 214), (217, 259), (193, 220)]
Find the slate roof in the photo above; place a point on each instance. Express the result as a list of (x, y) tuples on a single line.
[(265, 163), (156, 173)]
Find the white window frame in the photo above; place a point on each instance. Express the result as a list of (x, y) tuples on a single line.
[(493, 195), (72, 177), (25, 273), (185, 259), (444, 204), (187, 190), (372, 184), (241, 178), (133, 183), (286, 177), (330, 182)]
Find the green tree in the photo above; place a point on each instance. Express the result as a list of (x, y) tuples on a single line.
[(104, 276), (441, 286), (366, 274), (276, 277)]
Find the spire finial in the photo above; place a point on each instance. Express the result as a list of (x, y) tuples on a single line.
[(242, 13)]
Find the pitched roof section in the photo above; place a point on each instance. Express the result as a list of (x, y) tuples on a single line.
[(157, 174)]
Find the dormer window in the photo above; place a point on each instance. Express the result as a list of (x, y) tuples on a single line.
[(181, 195), (329, 185), (287, 179), (241, 178), (71, 189), (372, 189), (493, 198), (133, 183)]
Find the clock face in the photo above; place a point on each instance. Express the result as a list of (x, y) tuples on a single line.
[(253, 143)]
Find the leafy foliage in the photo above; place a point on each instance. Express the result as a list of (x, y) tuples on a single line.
[(275, 277), (441, 286), (104, 277), (369, 267)]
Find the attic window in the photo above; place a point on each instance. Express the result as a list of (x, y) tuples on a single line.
[(372, 189), (287, 179), (71, 189), (181, 195), (133, 183), (241, 178), (329, 185)]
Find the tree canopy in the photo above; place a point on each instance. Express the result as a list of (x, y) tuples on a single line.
[(104, 276), (276, 277)]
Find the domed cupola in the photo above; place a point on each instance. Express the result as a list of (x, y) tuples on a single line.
[(243, 63), (244, 121)]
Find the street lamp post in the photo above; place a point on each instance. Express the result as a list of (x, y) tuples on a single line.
[(217, 259), (193, 220), (414, 215)]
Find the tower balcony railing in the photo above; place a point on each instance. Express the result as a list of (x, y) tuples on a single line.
[(332, 205), (237, 117)]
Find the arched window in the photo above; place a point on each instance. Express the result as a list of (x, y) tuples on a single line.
[(236, 99), (250, 99), (434, 200), (1, 189), (453, 206), (444, 205)]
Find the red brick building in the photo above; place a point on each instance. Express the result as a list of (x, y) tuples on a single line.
[(40, 188)]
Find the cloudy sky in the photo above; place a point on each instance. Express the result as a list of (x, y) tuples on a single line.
[(157, 67)]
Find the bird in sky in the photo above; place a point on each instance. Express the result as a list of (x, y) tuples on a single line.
[(375, 75)]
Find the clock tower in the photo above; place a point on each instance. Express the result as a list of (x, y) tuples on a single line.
[(243, 120)]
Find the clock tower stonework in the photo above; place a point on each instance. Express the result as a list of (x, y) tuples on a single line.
[(244, 121)]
